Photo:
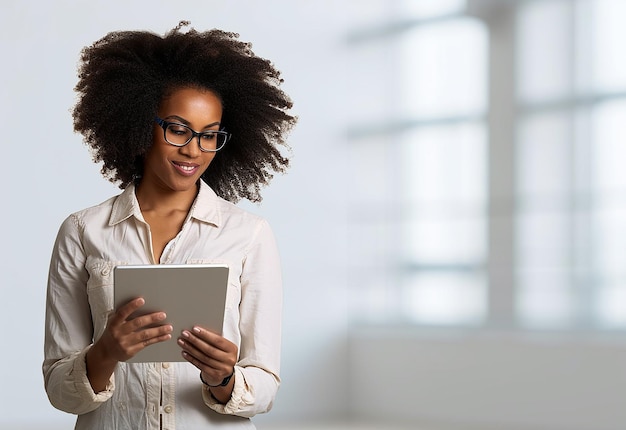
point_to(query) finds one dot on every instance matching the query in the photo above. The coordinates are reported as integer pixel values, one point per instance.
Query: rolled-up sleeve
(69, 327)
(257, 372)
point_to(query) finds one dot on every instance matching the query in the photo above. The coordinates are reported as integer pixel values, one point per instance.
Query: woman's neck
(157, 200)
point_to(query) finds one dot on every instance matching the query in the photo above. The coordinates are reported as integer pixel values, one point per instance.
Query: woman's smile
(186, 169)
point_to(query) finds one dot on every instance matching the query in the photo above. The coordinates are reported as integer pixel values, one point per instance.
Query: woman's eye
(177, 130)
(208, 136)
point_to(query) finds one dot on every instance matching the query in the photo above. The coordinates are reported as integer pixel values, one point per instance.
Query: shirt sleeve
(257, 371)
(69, 327)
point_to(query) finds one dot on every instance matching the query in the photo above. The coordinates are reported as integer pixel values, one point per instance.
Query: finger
(149, 337)
(124, 311)
(202, 362)
(199, 364)
(213, 339)
(214, 371)
(190, 341)
(145, 321)
(196, 349)
(195, 356)
(206, 353)
(154, 335)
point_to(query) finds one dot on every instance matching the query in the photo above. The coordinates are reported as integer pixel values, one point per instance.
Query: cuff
(239, 398)
(82, 384)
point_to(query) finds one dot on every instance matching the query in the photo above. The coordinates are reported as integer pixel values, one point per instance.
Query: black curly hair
(124, 76)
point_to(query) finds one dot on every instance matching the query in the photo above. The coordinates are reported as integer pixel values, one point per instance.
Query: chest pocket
(100, 292)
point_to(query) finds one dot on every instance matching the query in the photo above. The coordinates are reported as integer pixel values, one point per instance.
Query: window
(571, 186)
(488, 186)
(419, 212)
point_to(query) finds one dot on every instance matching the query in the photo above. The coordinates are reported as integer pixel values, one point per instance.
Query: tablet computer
(190, 294)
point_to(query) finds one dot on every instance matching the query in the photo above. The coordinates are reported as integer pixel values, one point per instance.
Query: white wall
(489, 380)
(48, 173)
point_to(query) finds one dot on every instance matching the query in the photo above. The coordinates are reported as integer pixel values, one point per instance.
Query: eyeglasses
(177, 134)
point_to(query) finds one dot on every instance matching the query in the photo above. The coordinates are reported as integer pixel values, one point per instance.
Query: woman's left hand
(213, 354)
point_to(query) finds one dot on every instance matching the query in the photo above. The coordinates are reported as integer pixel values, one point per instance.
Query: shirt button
(165, 365)
(168, 409)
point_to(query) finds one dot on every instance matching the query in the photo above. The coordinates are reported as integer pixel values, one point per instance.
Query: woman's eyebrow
(187, 123)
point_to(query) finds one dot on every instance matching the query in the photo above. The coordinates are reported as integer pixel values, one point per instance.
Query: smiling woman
(159, 113)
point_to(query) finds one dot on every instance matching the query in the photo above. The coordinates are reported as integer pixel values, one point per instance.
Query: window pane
(444, 70)
(543, 154)
(543, 240)
(429, 9)
(446, 238)
(609, 214)
(544, 50)
(444, 190)
(445, 298)
(544, 298)
(610, 242)
(609, 151)
(444, 164)
(611, 304)
(543, 226)
(609, 56)
(444, 224)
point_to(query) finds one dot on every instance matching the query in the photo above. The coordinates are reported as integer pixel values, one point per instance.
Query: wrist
(224, 382)
(99, 353)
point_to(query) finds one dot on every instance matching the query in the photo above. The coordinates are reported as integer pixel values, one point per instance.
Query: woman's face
(174, 168)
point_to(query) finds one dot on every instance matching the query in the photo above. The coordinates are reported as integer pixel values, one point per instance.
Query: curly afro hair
(124, 76)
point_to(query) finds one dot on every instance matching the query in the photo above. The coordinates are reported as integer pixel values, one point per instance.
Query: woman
(186, 123)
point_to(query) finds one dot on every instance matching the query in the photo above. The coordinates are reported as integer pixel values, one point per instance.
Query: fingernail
(185, 333)
(196, 329)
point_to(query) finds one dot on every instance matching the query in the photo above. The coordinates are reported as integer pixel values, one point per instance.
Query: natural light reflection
(431, 82)
(429, 9)
(445, 298)
(609, 61)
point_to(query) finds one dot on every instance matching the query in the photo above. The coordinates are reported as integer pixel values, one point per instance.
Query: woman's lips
(186, 169)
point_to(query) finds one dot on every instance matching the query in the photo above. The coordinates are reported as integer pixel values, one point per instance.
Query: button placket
(168, 387)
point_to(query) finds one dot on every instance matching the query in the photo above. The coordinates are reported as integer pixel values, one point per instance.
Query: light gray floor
(340, 426)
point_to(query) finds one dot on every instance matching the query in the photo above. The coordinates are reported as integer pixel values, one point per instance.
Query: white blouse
(168, 396)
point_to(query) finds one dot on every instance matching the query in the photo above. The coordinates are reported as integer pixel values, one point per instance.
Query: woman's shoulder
(75, 224)
(211, 205)
(240, 219)
(102, 209)
(99, 207)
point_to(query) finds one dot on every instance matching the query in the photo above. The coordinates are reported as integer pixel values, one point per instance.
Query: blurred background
(453, 227)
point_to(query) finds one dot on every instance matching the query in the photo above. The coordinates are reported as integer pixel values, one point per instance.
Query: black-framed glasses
(178, 134)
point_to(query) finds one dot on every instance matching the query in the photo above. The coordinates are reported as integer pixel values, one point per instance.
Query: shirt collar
(204, 208)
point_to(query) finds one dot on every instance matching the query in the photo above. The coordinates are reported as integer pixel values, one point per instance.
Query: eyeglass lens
(179, 135)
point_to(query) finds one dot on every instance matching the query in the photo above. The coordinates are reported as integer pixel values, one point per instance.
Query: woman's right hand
(122, 339)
